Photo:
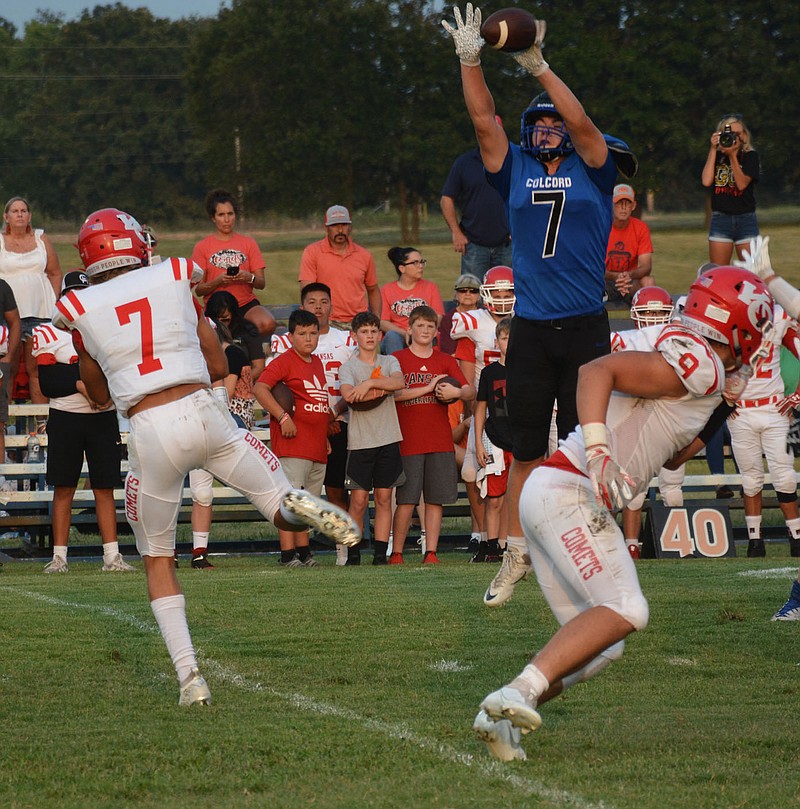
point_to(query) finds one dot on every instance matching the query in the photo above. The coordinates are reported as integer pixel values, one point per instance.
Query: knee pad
(202, 487)
(752, 482)
(634, 609)
(672, 497)
(787, 497)
(637, 502)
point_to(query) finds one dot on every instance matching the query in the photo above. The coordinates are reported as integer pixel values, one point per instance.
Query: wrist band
(594, 433)
(283, 417)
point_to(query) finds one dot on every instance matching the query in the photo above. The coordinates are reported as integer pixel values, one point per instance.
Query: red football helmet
(731, 306)
(651, 306)
(498, 278)
(110, 238)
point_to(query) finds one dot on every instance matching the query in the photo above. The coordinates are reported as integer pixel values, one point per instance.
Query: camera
(727, 138)
(233, 270)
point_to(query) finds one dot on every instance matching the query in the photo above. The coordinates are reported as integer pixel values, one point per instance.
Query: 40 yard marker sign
(700, 532)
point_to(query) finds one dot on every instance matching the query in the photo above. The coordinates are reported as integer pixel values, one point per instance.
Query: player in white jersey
(759, 425)
(140, 339)
(477, 348)
(334, 348)
(636, 408)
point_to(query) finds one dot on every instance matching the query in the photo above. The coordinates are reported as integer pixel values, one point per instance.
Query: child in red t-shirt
(299, 438)
(427, 451)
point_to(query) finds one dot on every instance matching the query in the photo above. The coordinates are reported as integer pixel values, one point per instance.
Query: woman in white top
(30, 266)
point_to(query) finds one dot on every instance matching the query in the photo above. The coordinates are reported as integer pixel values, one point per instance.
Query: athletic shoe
(118, 565)
(353, 557)
(396, 559)
(790, 611)
(502, 738)
(755, 548)
(634, 550)
(196, 691)
(480, 553)
(295, 562)
(494, 558)
(515, 568)
(200, 562)
(508, 703)
(380, 559)
(341, 555)
(309, 562)
(724, 492)
(58, 565)
(325, 517)
(430, 558)
(794, 547)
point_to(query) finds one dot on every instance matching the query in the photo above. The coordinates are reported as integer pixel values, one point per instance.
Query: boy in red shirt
(429, 461)
(300, 438)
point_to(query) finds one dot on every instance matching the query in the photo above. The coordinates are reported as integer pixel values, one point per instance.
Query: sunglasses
(467, 289)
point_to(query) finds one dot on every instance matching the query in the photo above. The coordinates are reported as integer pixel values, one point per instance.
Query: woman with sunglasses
(400, 297)
(731, 172)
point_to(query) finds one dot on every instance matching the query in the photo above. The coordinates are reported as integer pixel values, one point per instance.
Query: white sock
(794, 527)
(753, 527)
(60, 550)
(170, 613)
(110, 550)
(520, 543)
(200, 539)
(484, 536)
(531, 683)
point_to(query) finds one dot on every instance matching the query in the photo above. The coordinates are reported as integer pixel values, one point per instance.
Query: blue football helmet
(532, 132)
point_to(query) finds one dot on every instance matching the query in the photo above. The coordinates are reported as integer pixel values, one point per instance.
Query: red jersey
(306, 380)
(215, 256)
(424, 421)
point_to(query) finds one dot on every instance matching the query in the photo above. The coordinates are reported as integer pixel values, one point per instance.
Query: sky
(19, 13)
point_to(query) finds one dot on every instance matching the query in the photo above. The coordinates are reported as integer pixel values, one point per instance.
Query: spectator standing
(139, 339)
(232, 262)
(731, 171)
(481, 234)
(629, 257)
(429, 462)
(30, 266)
(557, 186)
(9, 356)
(299, 438)
(222, 307)
(467, 290)
(402, 296)
(334, 348)
(373, 438)
(345, 267)
(77, 426)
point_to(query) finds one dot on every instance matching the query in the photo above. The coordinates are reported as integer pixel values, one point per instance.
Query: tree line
(297, 104)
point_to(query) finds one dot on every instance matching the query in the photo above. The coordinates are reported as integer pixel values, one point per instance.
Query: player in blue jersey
(558, 186)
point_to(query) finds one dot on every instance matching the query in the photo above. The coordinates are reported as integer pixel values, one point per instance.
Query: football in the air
(284, 397)
(510, 29)
(451, 380)
(374, 398)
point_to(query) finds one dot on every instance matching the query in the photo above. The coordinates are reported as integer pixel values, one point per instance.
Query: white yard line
(483, 765)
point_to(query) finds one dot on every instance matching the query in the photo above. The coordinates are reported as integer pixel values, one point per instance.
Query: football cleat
(755, 548)
(195, 691)
(794, 547)
(325, 517)
(790, 611)
(502, 738)
(309, 562)
(396, 559)
(515, 568)
(430, 558)
(341, 555)
(200, 562)
(634, 549)
(118, 565)
(293, 562)
(58, 565)
(508, 703)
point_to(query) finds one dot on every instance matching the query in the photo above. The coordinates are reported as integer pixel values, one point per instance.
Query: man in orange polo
(347, 268)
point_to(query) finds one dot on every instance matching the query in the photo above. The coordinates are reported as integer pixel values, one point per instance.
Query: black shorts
(70, 435)
(542, 368)
(337, 460)
(433, 475)
(375, 468)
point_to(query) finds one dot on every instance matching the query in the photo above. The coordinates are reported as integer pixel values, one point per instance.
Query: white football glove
(532, 59)
(612, 484)
(735, 384)
(466, 35)
(756, 259)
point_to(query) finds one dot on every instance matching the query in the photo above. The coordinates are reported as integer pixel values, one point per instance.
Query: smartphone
(233, 270)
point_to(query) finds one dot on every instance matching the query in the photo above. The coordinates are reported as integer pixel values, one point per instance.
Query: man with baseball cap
(629, 257)
(345, 267)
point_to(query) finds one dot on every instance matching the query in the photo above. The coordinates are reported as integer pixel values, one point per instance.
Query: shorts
(736, 228)
(304, 474)
(542, 367)
(5, 391)
(337, 459)
(28, 324)
(496, 485)
(375, 468)
(433, 475)
(246, 307)
(70, 435)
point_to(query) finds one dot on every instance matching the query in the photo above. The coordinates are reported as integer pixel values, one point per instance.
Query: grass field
(357, 688)
(679, 241)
